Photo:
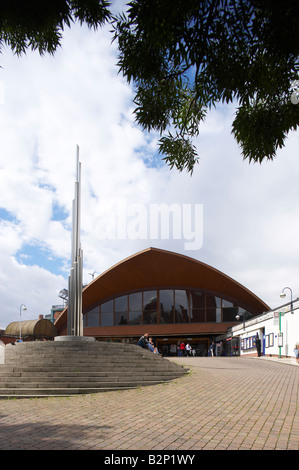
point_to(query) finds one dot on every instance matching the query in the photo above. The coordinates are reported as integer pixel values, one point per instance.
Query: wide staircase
(38, 369)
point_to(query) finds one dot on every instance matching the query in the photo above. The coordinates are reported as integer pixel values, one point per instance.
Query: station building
(277, 329)
(171, 296)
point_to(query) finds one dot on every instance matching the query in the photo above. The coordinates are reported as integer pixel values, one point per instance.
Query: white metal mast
(74, 316)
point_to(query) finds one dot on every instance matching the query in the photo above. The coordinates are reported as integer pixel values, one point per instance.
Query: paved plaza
(222, 404)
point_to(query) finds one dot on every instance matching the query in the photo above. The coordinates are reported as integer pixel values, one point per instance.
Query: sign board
(276, 317)
(280, 340)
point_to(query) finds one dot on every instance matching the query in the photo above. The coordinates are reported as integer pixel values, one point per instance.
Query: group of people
(146, 342)
(184, 350)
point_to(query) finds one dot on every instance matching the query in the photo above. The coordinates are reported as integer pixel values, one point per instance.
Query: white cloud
(51, 104)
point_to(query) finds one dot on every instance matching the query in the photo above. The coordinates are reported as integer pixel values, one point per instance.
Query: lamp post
(238, 317)
(22, 307)
(282, 295)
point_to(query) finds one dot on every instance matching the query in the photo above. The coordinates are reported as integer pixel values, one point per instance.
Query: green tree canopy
(38, 24)
(185, 56)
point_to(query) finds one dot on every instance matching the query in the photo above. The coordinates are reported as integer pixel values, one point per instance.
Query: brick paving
(223, 404)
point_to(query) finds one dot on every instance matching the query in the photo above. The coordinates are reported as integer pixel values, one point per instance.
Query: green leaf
(179, 152)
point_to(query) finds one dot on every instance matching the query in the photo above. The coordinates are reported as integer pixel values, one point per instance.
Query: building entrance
(170, 346)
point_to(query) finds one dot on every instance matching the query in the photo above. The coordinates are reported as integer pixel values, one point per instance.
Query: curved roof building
(170, 295)
(33, 329)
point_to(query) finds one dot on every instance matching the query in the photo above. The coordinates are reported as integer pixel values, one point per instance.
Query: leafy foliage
(263, 127)
(179, 152)
(38, 24)
(185, 56)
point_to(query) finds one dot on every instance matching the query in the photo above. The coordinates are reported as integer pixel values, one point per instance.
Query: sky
(240, 218)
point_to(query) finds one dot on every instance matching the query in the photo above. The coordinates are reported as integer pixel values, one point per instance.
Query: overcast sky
(244, 222)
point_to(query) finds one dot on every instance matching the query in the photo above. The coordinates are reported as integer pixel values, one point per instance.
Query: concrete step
(84, 384)
(12, 380)
(100, 374)
(40, 390)
(50, 368)
(98, 359)
(98, 362)
(86, 366)
(54, 353)
(54, 392)
(92, 348)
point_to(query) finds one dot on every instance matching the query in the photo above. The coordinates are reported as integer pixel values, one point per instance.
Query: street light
(238, 317)
(282, 295)
(243, 317)
(22, 307)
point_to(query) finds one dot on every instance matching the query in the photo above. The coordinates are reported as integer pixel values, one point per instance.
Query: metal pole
(279, 334)
(22, 306)
(75, 319)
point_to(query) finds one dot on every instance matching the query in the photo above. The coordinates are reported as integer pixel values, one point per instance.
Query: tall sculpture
(74, 314)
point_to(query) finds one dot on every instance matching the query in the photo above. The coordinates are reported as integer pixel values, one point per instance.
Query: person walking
(212, 349)
(188, 349)
(183, 349)
(258, 345)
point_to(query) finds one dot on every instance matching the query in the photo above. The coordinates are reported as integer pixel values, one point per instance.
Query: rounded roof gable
(41, 327)
(155, 268)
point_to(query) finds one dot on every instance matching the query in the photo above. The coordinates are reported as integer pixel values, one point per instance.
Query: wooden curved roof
(155, 268)
(42, 327)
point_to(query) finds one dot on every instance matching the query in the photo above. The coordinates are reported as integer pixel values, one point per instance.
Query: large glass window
(135, 308)
(121, 310)
(213, 308)
(197, 313)
(135, 318)
(166, 306)
(172, 306)
(229, 311)
(93, 317)
(150, 305)
(218, 311)
(181, 306)
(107, 313)
(244, 314)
